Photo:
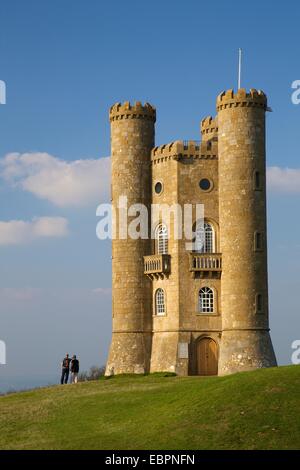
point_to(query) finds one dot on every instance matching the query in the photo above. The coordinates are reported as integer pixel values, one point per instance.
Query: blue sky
(64, 64)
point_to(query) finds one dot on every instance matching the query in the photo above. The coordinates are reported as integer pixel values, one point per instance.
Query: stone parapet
(229, 99)
(132, 111)
(180, 149)
(209, 128)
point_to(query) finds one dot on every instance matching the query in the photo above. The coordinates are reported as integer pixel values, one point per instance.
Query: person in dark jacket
(65, 368)
(74, 370)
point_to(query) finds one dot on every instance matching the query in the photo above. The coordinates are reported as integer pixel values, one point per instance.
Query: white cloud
(65, 184)
(283, 180)
(82, 182)
(16, 232)
(102, 291)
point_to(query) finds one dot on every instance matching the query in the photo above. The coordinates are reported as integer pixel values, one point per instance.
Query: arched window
(204, 238)
(160, 308)
(206, 300)
(161, 239)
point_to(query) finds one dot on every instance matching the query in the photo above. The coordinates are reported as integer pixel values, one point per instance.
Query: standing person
(74, 369)
(65, 368)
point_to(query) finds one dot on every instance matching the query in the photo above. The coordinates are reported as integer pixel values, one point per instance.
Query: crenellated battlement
(230, 99)
(132, 111)
(209, 128)
(182, 149)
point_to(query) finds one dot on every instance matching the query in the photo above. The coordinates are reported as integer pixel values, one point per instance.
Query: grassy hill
(252, 410)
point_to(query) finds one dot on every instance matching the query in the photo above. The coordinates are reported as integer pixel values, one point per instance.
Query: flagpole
(240, 68)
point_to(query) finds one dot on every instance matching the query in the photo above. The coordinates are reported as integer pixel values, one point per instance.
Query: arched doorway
(207, 357)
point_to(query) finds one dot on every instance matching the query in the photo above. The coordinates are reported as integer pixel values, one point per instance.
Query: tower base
(164, 352)
(243, 350)
(129, 354)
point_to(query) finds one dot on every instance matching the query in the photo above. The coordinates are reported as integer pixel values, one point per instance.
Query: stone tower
(246, 342)
(132, 138)
(181, 306)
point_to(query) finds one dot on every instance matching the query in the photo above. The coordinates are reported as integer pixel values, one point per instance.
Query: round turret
(132, 138)
(209, 128)
(245, 341)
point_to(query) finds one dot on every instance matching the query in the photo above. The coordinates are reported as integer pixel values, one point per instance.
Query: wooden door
(207, 357)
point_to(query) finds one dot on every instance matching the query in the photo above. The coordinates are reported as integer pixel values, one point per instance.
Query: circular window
(158, 187)
(205, 184)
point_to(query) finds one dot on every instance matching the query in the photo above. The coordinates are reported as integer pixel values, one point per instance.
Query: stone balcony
(206, 263)
(157, 266)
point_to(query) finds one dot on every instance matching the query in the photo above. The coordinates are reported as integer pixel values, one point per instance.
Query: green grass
(251, 410)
